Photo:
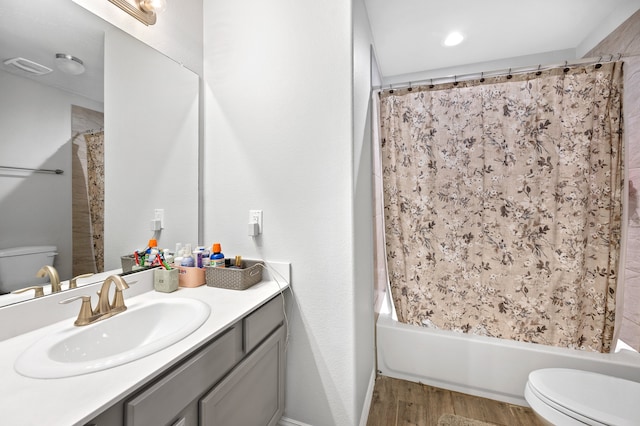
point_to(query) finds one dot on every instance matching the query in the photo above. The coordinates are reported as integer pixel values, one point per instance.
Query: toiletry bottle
(217, 258)
(187, 259)
(177, 257)
(206, 257)
(168, 257)
(153, 244)
(151, 257)
(197, 256)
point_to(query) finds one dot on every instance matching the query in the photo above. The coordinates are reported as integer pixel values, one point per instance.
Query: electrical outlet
(255, 216)
(158, 214)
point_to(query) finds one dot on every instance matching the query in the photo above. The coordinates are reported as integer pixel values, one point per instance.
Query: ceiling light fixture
(454, 38)
(69, 64)
(144, 11)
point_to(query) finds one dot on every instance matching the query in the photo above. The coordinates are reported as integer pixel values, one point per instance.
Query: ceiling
(38, 29)
(408, 34)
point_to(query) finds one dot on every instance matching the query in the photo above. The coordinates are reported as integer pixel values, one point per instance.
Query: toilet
(19, 266)
(561, 396)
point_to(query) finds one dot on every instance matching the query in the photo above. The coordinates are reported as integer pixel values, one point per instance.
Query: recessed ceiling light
(454, 38)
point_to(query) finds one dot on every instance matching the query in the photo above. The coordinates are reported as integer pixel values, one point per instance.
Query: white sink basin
(139, 331)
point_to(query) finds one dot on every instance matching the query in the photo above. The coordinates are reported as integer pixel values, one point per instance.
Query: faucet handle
(85, 314)
(37, 288)
(74, 281)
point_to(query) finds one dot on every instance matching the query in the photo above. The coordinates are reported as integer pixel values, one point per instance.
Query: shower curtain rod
(503, 72)
(53, 171)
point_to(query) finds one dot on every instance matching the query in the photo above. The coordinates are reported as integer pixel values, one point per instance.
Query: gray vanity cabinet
(237, 379)
(253, 394)
(161, 402)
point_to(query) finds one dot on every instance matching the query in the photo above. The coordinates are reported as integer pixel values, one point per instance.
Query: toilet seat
(590, 398)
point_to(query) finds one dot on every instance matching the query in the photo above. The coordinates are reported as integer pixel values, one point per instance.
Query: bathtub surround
(626, 38)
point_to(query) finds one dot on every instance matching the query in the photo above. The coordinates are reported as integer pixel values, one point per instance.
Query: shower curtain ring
(599, 65)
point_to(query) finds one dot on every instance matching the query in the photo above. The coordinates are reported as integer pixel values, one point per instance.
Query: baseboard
(366, 407)
(364, 416)
(285, 421)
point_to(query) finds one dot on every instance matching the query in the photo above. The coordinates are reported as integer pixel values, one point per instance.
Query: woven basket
(128, 262)
(235, 279)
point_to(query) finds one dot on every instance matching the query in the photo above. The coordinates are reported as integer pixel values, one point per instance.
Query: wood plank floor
(398, 402)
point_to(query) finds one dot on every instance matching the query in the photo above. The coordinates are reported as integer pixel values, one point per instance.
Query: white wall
(177, 32)
(279, 137)
(364, 344)
(151, 147)
(35, 132)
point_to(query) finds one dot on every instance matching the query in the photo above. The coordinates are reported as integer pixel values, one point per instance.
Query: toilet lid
(583, 394)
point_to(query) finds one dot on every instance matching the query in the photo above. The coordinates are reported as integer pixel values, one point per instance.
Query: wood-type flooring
(402, 403)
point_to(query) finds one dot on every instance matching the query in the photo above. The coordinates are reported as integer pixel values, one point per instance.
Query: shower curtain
(502, 204)
(95, 191)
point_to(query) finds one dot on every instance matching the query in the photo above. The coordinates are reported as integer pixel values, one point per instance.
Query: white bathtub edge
(487, 367)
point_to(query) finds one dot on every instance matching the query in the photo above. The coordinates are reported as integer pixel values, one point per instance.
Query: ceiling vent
(28, 66)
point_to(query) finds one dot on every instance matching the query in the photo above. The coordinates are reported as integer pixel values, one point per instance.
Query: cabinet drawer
(261, 322)
(159, 403)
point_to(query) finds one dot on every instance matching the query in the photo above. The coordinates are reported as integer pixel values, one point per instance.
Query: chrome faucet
(54, 278)
(103, 309)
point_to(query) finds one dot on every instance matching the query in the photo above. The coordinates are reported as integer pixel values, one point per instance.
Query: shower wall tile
(630, 328)
(630, 334)
(631, 110)
(633, 229)
(626, 39)
(631, 296)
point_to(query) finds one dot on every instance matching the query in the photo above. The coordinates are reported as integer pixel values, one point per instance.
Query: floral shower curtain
(95, 191)
(502, 204)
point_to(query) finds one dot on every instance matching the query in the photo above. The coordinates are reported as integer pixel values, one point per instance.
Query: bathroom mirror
(38, 116)
(43, 105)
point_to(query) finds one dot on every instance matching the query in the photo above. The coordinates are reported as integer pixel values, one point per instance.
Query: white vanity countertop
(76, 400)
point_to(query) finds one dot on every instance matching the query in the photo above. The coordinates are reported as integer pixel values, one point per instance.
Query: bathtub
(482, 366)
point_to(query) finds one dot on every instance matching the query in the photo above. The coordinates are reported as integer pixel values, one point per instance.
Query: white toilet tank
(19, 266)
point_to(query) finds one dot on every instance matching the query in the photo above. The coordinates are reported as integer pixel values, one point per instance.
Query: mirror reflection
(51, 127)
(88, 126)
